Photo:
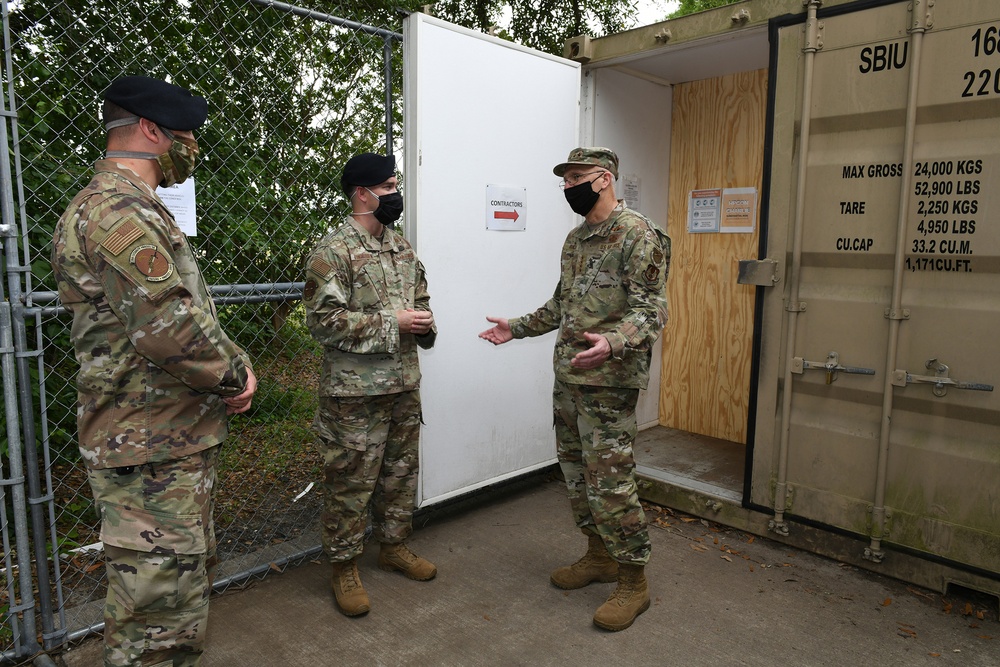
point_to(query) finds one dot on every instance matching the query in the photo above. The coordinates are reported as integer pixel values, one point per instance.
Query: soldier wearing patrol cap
(367, 305)
(609, 307)
(157, 378)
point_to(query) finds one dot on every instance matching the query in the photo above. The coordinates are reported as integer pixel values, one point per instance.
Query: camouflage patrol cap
(595, 156)
(367, 169)
(165, 104)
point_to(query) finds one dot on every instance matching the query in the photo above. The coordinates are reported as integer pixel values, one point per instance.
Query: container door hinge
(789, 496)
(921, 19)
(760, 272)
(940, 379)
(832, 366)
(814, 30)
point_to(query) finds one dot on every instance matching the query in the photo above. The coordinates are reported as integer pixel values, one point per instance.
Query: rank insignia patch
(151, 263)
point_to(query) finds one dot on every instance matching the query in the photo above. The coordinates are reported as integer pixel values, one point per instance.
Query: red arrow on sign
(505, 215)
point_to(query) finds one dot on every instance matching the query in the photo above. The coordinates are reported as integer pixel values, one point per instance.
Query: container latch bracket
(760, 272)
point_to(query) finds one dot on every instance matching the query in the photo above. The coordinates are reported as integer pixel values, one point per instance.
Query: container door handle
(832, 366)
(940, 379)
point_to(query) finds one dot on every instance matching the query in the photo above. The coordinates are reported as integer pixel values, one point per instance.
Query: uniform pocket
(149, 531)
(342, 422)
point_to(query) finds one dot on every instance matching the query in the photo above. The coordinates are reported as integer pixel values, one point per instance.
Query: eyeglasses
(570, 181)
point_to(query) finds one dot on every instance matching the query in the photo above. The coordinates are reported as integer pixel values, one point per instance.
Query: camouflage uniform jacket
(355, 283)
(154, 362)
(612, 282)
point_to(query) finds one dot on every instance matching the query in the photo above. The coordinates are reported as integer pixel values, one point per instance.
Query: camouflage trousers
(159, 547)
(595, 430)
(369, 447)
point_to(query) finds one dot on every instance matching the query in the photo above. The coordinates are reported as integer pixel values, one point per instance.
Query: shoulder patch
(651, 273)
(309, 291)
(320, 267)
(122, 237)
(152, 263)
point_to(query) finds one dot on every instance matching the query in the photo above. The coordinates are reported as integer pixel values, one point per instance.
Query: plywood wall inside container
(717, 142)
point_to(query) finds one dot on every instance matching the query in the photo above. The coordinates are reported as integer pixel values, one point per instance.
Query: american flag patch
(122, 237)
(320, 267)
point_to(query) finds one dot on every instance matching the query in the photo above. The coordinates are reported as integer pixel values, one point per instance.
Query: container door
(485, 121)
(893, 424)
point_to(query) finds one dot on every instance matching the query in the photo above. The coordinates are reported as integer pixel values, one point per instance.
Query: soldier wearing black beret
(151, 431)
(162, 149)
(367, 304)
(163, 103)
(366, 170)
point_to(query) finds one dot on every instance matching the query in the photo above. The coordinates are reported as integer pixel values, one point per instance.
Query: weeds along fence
(292, 94)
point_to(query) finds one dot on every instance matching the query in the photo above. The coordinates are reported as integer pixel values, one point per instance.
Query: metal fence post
(25, 642)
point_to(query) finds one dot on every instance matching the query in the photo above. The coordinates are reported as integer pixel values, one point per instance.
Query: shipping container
(828, 173)
(828, 377)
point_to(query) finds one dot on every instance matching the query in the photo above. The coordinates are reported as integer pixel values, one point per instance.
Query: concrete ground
(720, 597)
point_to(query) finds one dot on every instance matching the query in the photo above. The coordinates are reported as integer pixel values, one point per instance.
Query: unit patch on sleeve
(310, 289)
(651, 273)
(151, 263)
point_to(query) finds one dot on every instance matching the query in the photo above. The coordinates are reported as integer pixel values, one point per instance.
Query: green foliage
(691, 6)
(290, 99)
(541, 24)
(6, 634)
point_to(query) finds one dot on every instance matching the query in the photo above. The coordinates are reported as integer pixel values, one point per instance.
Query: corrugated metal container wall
(876, 413)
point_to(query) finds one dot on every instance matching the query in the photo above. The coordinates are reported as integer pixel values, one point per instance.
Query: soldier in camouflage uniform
(609, 307)
(157, 376)
(367, 305)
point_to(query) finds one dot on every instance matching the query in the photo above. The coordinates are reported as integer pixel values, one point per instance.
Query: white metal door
(482, 112)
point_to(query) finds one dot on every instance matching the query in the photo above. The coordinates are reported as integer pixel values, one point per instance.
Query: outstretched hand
(499, 334)
(595, 355)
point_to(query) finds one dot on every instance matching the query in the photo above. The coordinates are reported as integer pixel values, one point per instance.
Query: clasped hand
(416, 322)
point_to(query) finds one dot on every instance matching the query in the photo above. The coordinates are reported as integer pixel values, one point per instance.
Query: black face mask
(390, 207)
(582, 198)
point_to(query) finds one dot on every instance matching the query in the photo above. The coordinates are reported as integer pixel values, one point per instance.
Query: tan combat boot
(596, 565)
(347, 589)
(399, 557)
(630, 599)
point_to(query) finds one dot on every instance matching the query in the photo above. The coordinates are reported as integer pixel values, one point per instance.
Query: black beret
(163, 103)
(367, 169)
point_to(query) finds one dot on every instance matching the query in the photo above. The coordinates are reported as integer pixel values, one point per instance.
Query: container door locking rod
(831, 366)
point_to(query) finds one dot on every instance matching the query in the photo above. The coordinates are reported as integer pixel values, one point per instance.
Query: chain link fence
(292, 94)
